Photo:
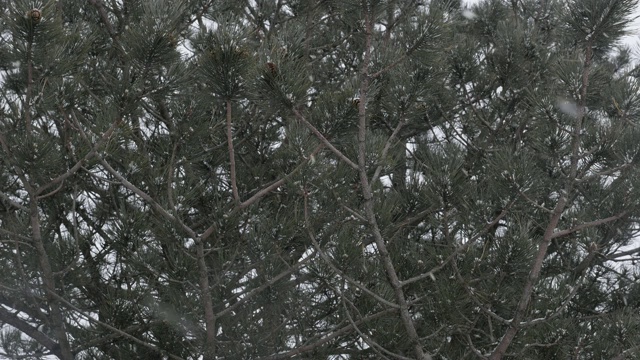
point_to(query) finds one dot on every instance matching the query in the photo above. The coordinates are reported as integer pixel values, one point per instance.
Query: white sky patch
(468, 14)
(568, 107)
(386, 181)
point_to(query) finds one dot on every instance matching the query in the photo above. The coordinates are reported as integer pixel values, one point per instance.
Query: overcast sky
(632, 40)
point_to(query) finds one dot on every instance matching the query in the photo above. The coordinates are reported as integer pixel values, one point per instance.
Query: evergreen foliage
(357, 179)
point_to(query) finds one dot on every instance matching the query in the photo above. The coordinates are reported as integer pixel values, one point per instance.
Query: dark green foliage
(177, 180)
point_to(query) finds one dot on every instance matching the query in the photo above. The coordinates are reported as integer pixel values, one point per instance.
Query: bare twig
(587, 225)
(633, 251)
(385, 150)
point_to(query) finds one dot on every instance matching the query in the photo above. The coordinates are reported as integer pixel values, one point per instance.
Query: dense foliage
(352, 179)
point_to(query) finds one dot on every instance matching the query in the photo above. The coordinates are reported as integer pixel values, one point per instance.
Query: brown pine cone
(272, 68)
(35, 15)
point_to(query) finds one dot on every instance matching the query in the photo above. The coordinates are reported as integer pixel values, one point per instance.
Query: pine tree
(355, 179)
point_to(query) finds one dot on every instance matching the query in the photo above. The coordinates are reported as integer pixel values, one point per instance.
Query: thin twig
(385, 150)
(587, 225)
(324, 140)
(232, 156)
(460, 249)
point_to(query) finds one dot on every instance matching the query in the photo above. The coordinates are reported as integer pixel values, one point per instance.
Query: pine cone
(35, 15)
(272, 68)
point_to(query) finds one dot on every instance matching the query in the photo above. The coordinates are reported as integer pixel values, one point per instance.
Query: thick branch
(8, 318)
(57, 320)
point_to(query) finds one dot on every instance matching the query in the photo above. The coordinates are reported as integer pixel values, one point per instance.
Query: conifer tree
(358, 179)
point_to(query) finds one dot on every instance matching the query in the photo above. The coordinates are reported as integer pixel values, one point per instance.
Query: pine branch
(268, 189)
(249, 295)
(385, 150)
(8, 318)
(324, 140)
(48, 280)
(115, 330)
(377, 348)
(625, 354)
(333, 334)
(550, 230)
(7, 199)
(390, 271)
(232, 156)
(587, 225)
(333, 267)
(104, 17)
(460, 249)
(104, 139)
